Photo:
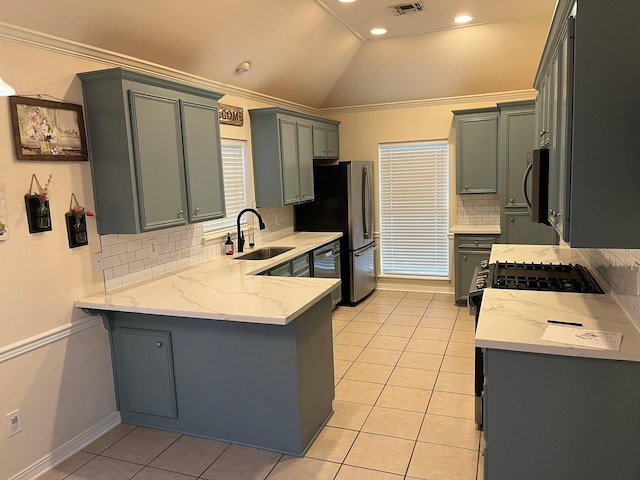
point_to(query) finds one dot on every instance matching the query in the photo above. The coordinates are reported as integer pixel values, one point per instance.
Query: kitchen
(47, 277)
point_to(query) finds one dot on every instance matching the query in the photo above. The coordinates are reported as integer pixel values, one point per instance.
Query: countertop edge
(106, 301)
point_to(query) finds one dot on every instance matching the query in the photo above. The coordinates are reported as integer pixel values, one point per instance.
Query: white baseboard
(70, 448)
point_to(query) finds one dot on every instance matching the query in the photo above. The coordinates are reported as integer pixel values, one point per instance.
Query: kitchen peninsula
(219, 351)
(553, 410)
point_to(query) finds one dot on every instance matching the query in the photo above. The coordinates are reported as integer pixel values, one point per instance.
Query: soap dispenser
(228, 245)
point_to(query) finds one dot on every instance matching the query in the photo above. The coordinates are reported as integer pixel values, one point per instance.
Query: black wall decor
(38, 213)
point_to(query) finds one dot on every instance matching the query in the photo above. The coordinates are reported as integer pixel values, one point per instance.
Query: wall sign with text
(230, 115)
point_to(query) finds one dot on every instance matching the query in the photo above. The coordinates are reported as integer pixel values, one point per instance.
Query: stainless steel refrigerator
(344, 203)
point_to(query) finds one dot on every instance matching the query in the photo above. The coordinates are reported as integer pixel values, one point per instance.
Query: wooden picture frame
(47, 130)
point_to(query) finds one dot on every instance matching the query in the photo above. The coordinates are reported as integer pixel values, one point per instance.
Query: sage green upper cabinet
(155, 151)
(594, 194)
(282, 146)
(326, 142)
(517, 139)
(476, 150)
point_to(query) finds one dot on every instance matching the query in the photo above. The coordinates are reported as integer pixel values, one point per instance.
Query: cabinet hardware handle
(158, 344)
(466, 187)
(197, 210)
(181, 213)
(476, 243)
(464, 257)
(512, 200)
(511, 219)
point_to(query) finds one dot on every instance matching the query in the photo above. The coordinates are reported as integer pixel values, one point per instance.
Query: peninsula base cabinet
(557, 418)
(266, 386)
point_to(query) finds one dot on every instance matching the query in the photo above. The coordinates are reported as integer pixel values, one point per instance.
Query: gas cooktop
(543, 276)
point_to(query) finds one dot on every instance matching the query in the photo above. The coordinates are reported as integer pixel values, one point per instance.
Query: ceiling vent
(407, 8)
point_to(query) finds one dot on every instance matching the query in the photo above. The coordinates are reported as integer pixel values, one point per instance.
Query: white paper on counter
(583, 337)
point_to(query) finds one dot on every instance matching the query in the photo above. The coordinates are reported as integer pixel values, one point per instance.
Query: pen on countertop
(560, 322)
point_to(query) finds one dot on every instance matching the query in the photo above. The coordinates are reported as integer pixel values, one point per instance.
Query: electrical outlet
(473, 207)
(14, 422)
(153, 248)
(98, 262)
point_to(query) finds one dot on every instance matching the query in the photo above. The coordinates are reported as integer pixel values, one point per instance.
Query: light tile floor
(403, 410)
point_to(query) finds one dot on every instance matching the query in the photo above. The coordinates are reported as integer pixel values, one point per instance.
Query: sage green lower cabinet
(155, 151)
(144, 371)
(266, 386)
(470, 251)
(298, 267)
(558, 418)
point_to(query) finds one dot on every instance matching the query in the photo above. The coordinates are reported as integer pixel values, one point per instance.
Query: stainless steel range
(546, 277)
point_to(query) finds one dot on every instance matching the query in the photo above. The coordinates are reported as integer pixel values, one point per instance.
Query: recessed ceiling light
(347, 1)
(242, 67)
(463, 19)
(378, 31)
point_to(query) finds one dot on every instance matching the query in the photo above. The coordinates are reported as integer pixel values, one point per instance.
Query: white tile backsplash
(619, 270)
(479, 209)
(126, 258)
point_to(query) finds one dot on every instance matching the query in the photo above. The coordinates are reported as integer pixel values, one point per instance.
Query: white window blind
(235, 190)
(414, 208)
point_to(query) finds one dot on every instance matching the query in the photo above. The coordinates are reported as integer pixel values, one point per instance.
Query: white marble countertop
(224, 288)
(475, 229)
(516, 319)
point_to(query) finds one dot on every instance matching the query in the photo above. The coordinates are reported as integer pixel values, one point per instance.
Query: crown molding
(63, 46)
(498, 97)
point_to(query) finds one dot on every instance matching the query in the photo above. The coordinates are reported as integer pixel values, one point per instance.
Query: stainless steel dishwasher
(326, 264)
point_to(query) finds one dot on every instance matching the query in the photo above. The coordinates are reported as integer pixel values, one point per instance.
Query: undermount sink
(264, 253)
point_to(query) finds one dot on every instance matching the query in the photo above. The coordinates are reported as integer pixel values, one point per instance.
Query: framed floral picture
(46, 130)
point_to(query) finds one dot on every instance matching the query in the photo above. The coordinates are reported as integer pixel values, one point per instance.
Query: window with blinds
(414, 208)
(235, 190)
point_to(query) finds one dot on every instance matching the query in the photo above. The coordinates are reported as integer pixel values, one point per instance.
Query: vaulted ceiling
(318, 53)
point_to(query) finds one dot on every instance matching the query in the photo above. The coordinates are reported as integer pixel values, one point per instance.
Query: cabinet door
(477, 153)
(565, 131)
(552, 114)
(305, 161)
(144, 369)
(300, 266)
(203, 161)
(319, 141)
(517, 142)
(519, 229)
(157, 147)
(333, 142)
(289, 161)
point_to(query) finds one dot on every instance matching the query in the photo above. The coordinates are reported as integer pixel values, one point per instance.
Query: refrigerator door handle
(367, 216)
(372, 248)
